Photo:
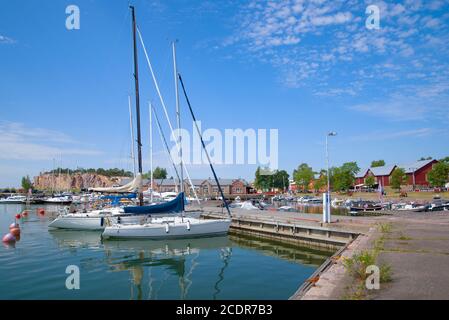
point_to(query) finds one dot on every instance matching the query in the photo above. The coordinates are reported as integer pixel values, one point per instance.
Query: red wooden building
(416, 173)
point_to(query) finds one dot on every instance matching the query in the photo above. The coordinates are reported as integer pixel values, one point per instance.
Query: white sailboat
(171, 227)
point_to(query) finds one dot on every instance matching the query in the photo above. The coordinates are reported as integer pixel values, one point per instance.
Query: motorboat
(14, 199)
(168, 228)
(59, 199)
(413, 207)
(246, 205)
(336, 203)
(439, 205)
(286, 209)
(364, 206)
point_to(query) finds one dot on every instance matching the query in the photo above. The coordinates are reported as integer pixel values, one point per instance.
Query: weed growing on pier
(385, 273)
(359, 262)
(384, 227)
(404, 237)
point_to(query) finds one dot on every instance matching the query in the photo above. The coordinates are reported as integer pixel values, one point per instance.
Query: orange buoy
(15, 232)
(8, 238)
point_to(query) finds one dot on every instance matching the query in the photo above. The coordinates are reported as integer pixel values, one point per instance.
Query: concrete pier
(305, 233)
(416, 248)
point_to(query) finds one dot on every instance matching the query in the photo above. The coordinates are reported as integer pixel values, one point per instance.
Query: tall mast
(151, 151)
(131, 127)
(178, 116)
(136, 82)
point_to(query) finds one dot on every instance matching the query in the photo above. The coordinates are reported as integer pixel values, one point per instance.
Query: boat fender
(166, 228)
(13, 225)
(101, 221)
(8, 238)
(15, 232)
(119, 220)
(188, 225)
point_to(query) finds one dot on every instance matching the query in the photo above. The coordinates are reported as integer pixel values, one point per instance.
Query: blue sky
(303, 67)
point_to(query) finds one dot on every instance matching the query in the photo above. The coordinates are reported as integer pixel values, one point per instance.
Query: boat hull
(155, 231)
(12, 202)
(90, 223)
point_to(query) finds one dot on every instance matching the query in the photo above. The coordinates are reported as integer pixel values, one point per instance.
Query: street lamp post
(327, 215)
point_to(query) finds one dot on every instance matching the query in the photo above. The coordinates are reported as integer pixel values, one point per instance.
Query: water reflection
(158, 269)
(170, 255)
(290, 252)
(141, 256)
(230, 267)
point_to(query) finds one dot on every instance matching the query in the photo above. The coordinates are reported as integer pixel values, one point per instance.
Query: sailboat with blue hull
(174, 206)
(171, 227)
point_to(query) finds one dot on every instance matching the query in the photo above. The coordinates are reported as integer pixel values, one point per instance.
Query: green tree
(398, 178)
(445, 160)
(262, 181)
(159, 173)
(280, 180)
(370, 181)
(26, 183)
(351, 167)
(342, 178)
(377, 163)
(439, 174)
(321, 181)
(303, 176)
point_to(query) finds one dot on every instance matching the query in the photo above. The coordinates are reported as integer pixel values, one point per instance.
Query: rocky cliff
(73, 181)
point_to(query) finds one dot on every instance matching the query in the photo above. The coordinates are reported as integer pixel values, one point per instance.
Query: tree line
(113, 172)
(343, 178)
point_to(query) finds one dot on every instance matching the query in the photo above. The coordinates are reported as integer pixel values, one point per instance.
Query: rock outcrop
(73, 181)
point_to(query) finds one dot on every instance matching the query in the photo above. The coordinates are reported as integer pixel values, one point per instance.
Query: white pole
(178, 116)
(327, 210)
(165, 109)
(328, 202)
(324, 207)
(151, 151)
(132, 135)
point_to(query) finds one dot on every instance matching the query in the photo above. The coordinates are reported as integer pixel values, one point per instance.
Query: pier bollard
(325, 207)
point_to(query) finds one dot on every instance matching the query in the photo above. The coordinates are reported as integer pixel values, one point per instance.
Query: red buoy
(18, 216)
(24, 213)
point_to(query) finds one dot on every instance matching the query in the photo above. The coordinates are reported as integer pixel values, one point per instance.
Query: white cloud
(6, 40)
(414, 107)
(388, 135)
(338, 18)
(311, 40)
(19, 142)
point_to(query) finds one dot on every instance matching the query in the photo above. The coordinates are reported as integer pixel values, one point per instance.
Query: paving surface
(417, 249)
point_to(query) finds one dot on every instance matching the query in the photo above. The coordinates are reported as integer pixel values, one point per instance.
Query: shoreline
(416, 239)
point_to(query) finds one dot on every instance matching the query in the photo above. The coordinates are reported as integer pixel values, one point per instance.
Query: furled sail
(132, 186)
(174, 206)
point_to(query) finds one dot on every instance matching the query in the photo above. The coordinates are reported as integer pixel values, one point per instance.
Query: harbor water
(230, 267)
